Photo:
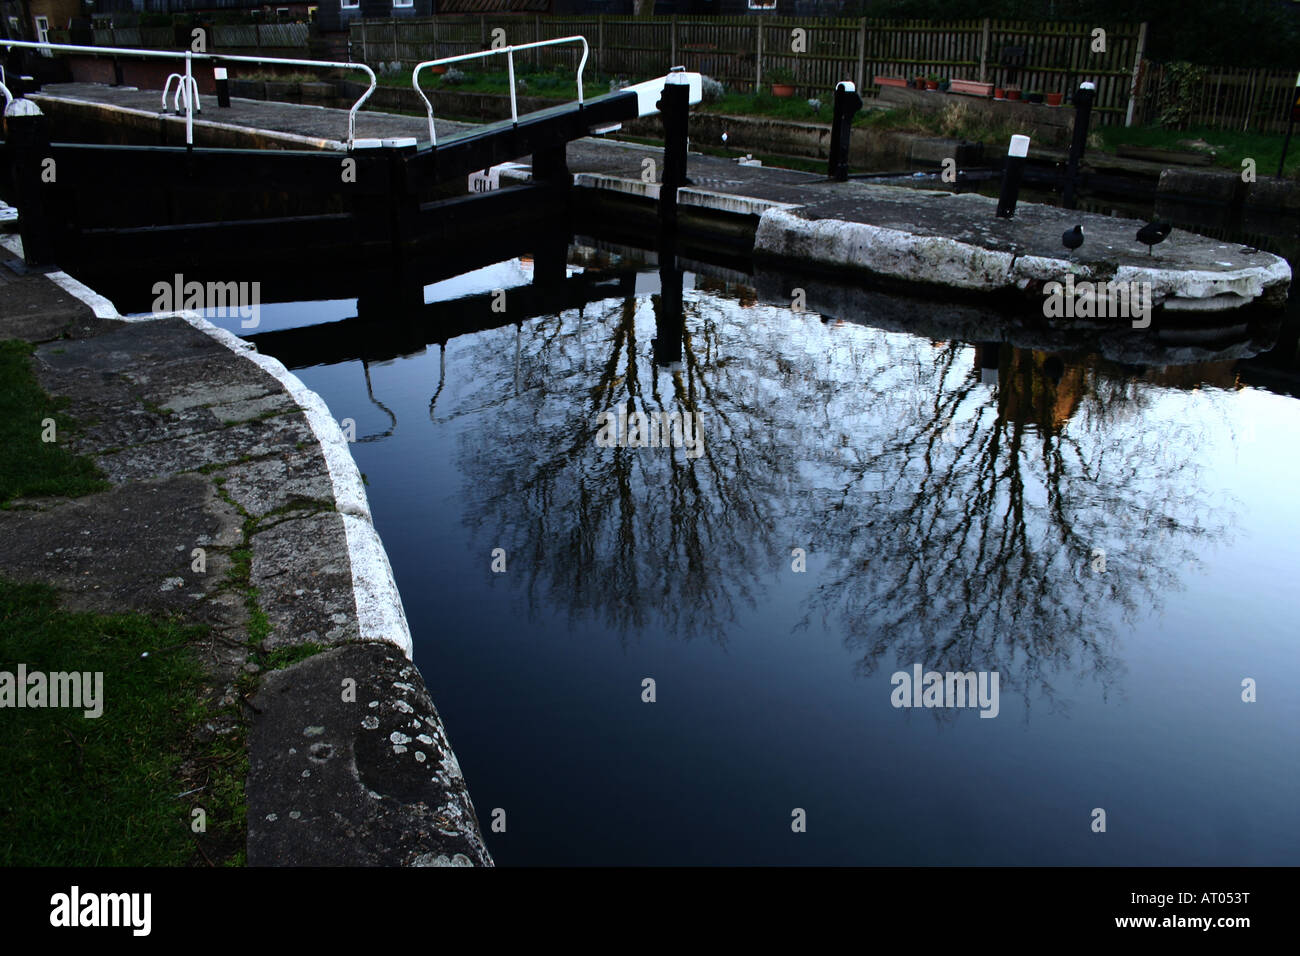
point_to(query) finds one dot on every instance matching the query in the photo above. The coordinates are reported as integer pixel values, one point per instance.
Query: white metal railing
(509, 51)
(183, 88)
(9, 97)
(211, 57)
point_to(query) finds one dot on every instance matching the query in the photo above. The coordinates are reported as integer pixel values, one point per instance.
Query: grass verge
(31, 466)
(111, 791)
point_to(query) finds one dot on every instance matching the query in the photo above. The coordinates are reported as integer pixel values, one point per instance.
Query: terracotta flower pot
(1054, 99)
(999, 93)
(890, 81)
(782, 90)
(931, 84)
(440, 68)
(1013, 94)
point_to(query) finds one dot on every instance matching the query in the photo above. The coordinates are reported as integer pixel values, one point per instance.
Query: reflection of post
(403, 296)
(670, 321)
(550, 259)
(986, 360)
(674, 105)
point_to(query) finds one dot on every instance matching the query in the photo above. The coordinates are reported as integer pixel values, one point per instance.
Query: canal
(1103, 518)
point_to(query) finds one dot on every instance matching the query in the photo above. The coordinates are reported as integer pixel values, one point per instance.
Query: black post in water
(674, 106)
(223, 87)
(847, 104)
(1290, 125)
(1011, 173)
(670, 319)
(1083, 98)
(29, 145)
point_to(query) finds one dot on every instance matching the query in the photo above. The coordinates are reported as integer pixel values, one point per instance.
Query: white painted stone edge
(380, 614)
(894, 252)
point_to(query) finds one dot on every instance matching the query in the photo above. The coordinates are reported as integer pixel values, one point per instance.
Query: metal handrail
(9, 97)
(213, 57)
(509, 51)
(182, 88)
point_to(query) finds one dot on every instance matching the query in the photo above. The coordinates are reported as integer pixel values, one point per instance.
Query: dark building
(711, 8)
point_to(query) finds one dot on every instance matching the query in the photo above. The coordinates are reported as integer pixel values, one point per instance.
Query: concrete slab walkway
(204, 449)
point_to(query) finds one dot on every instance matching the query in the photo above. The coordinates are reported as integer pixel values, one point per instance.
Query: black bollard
(674, 106)
(223, 87)
(118, 80)
(29, 146)
(1011, 173)
(847, 104)
(1083, 98)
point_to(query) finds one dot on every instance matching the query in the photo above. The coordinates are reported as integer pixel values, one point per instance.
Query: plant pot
(931, 84)
(1013, 94)
(1034, 97)
(999, 93)
(918, 83)
(439, 69)
(782, 90)
(971, 88)
(1054, 99)
(890, 81)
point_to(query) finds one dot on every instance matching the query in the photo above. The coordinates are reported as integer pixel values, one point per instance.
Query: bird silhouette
(1072, 239)
(1154, 233)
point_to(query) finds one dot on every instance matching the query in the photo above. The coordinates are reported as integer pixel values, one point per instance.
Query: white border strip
(380, 614)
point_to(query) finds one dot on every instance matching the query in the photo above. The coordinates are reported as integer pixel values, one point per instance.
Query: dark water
(953, 475)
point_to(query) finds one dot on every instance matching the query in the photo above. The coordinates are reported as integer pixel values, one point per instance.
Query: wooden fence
(740, 51)
(223, 37)
(1235, 98)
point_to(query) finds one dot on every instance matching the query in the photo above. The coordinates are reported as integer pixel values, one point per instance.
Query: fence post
(537, 35)
(984, 51)
(758, 56)
(1137, 69)
(672, 43)
(482, 32)
(862, 53)
(600, 44)
(1250, 100)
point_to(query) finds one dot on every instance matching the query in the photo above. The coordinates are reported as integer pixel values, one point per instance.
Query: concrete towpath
(799, 219)
(205, 448)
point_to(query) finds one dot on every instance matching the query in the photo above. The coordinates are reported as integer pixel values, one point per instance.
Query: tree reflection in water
(954, 518)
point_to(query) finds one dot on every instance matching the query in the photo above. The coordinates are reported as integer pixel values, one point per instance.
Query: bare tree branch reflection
(958, 520)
